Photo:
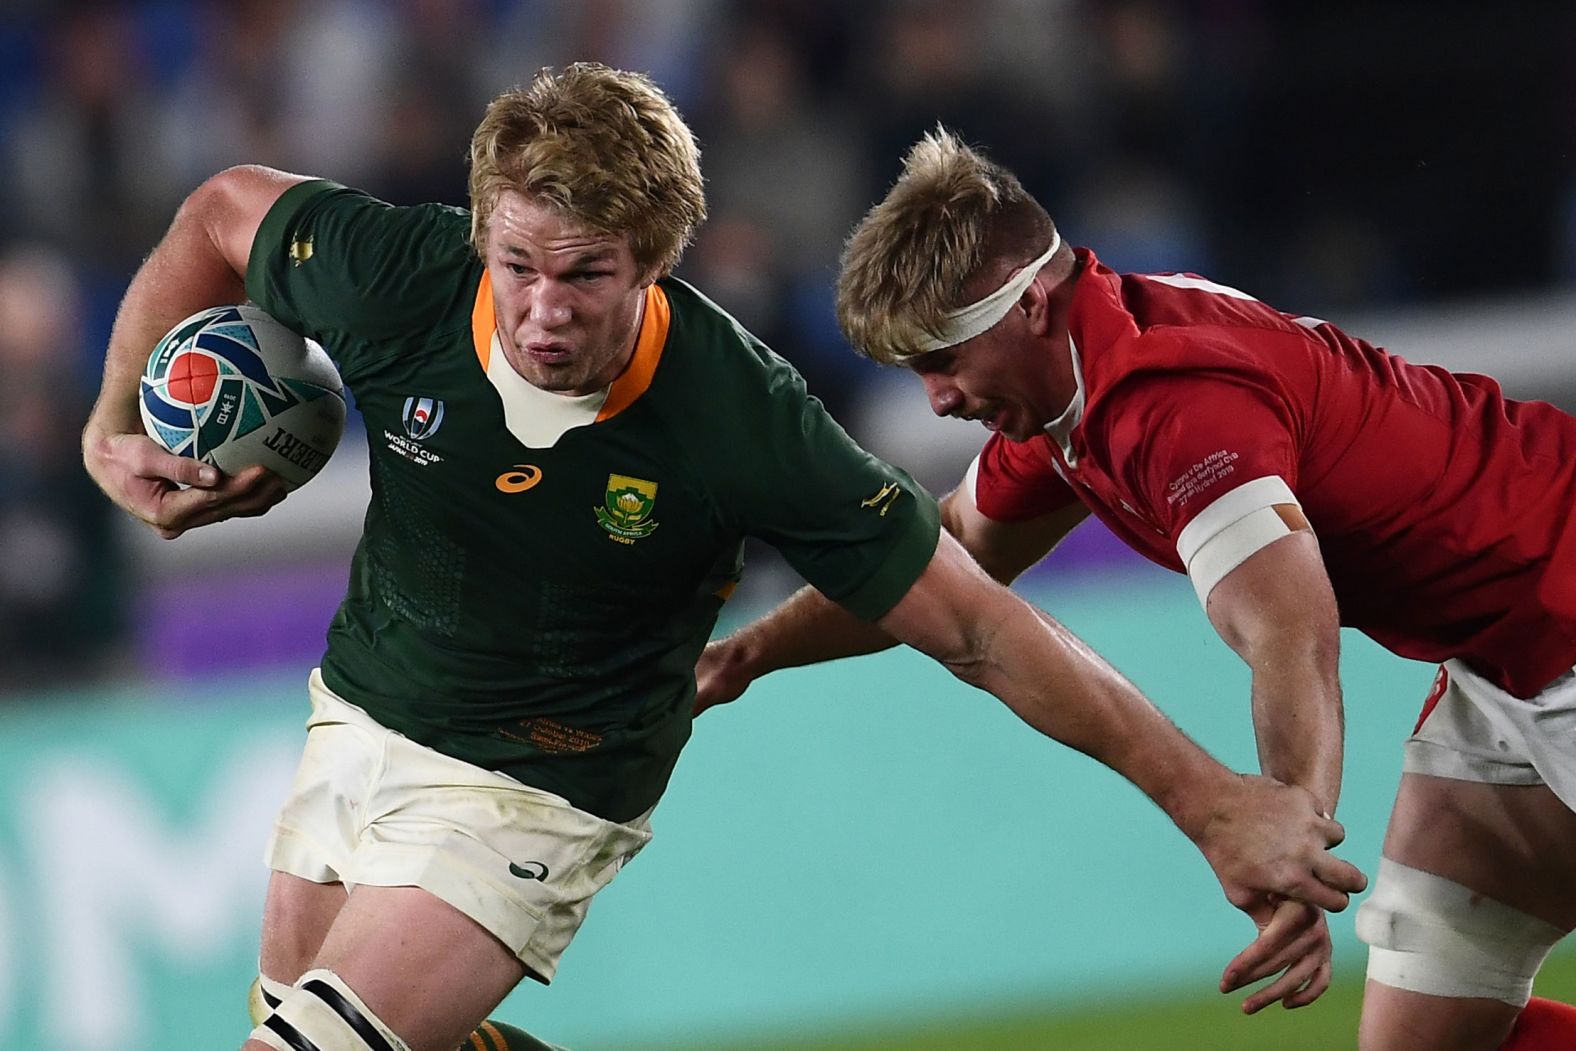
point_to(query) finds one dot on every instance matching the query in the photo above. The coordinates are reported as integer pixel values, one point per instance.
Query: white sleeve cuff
(1231, 529)
(971, 481)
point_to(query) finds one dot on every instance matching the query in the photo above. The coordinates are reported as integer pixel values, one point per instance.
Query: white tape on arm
(1228, 531)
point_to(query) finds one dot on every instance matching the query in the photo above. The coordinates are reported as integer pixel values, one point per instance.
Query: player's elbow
(229, 207)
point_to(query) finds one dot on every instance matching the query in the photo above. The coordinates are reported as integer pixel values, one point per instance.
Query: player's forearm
(1062, 688)
(807, 628)
(1277, 610)
(1298, 718)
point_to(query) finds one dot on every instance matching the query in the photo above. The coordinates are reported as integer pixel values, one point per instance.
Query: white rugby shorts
(1478, 732)
(371, 807)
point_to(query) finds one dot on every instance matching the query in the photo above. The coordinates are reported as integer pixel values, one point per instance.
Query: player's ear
(1036, 306)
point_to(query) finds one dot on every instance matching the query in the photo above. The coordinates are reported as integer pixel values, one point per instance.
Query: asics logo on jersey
(530, 870)
(522, 477)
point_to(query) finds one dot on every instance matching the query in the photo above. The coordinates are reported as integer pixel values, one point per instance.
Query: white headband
(967, 322)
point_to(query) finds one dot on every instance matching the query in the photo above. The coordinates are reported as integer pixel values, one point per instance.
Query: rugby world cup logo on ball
(233, 387)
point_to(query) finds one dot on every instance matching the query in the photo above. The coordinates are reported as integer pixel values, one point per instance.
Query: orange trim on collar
(484, 322)
(637, 375)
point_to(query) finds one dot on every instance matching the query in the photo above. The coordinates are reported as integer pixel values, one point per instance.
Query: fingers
(1333, 831)
(1294, 943)
(1316, 987)
(1300, 986)
(247, 494)
(1328, 883)
(1339, 874)
(1294, 930)
(1314, 892)
(185, 471)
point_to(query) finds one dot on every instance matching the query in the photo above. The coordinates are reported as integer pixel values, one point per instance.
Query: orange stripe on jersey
(636, 377)
(500, 1044)
(476, 1042)
(483, 321)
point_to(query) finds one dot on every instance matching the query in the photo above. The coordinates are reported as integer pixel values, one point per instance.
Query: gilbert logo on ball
(233, 387)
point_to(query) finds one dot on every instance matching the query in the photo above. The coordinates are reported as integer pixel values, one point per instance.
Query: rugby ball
(232, 387)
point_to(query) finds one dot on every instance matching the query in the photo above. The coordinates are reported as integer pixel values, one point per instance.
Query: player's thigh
(1513, 844)
(297, 915)
(427, 970)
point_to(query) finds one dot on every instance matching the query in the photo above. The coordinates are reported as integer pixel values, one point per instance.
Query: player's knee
(265, 995)
(1431, 935)
(323, 1013)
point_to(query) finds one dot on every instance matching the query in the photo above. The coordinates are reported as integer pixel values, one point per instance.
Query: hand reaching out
(1267, 840)
(1294, 943)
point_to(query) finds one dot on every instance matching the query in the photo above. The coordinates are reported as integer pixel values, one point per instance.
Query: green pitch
(1162, 1025)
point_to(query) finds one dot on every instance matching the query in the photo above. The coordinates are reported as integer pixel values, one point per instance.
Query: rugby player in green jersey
(568, 448)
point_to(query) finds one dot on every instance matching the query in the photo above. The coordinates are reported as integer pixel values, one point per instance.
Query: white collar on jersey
(538, 418)
(1061, 428)
(964, 323)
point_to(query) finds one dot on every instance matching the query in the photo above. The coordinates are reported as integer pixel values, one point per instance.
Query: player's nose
(944, 397)
(548, 308)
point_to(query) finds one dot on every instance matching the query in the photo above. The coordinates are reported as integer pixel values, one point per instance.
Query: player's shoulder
(1167, 300)
(1182, 324)
(324, 210)
(379, 269)
(709, 345)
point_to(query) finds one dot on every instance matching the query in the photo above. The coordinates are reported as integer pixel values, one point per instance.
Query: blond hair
(951, 216)
(605, 147)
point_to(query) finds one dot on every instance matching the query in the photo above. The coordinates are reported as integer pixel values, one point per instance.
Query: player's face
(567, 297)
(997, 378)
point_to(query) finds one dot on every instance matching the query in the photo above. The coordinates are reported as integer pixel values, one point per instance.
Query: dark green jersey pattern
(550, 630)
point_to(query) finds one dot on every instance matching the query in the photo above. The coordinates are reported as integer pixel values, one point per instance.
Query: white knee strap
(1430, 935)
(323, 1014)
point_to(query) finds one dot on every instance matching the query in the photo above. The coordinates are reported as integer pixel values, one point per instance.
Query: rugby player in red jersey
(1304, 480)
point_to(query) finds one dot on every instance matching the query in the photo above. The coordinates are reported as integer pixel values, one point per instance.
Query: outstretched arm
(201, 262)
(1261, 837)
(809, 628)
(1277, 611)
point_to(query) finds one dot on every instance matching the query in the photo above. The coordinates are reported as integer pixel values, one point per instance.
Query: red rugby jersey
(1443, 509)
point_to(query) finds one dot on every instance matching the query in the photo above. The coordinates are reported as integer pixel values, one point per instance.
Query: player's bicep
(1006, 549)
(1280, 588)
(1234, 527)
(231, 206)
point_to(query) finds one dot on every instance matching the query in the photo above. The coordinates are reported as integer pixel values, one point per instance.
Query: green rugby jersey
(538, 574)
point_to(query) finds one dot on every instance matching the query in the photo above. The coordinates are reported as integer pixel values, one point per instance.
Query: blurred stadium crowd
(1327, 157)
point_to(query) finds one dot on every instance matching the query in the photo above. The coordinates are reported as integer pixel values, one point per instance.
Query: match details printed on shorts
(1198, 478)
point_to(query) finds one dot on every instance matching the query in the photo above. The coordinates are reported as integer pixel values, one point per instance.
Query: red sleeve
(1017, 481)
(1181, 441)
